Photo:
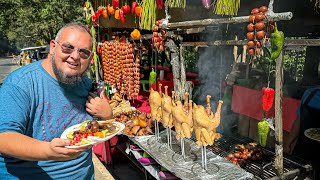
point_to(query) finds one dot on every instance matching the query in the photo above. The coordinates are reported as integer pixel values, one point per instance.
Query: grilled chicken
(155, 104)
(206, 123)
(166, 107)
(182, 119)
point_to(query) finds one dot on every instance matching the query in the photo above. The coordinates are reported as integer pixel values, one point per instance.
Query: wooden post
(278, 116)
(176, 71)
(182, 72)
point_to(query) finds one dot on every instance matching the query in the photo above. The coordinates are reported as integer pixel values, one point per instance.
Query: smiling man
(39, 102)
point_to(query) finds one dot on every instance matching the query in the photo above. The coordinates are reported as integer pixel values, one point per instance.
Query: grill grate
(262, 169)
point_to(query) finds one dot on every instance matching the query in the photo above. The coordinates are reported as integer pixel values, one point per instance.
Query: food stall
(168, 127)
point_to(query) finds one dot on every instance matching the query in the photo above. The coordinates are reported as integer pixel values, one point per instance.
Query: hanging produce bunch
(226, 7)
(159, 36)
(148, 14)
(121, 67)
(256, 30)
(176, 3)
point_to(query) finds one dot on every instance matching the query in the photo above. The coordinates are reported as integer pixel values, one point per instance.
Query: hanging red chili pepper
(133, 6)
(115, 4)
(121, 14)
(267, 98)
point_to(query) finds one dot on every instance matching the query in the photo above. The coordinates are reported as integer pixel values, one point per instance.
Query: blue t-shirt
(33, 103)
(314, 101)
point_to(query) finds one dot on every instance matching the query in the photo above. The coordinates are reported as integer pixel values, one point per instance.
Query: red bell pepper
(126, 9)
(121, 14)
(133, 6)
(267, 98)
(115, 4)
(159, 4)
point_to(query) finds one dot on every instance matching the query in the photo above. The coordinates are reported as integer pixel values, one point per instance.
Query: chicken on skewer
(166, 107)
(182, 119)
(155, 104)
(206, 123)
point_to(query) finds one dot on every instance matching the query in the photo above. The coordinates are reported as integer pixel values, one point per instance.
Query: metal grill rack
(263, 169)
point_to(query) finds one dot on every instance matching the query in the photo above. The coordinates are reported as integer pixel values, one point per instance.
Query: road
(6, 67)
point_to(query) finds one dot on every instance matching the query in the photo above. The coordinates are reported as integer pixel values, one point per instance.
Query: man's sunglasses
(68, 49)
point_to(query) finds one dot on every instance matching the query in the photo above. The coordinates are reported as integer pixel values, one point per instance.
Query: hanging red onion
(206, 4)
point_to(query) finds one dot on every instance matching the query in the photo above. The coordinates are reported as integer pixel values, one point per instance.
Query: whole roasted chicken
(206, 122)
(182, 118)
(166, 106)
(155, 104)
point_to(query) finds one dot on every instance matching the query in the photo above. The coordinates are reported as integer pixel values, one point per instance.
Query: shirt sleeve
(14, 108)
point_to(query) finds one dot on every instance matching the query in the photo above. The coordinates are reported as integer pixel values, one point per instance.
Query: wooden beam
(278, 116)
(233, 20)
(288, 42)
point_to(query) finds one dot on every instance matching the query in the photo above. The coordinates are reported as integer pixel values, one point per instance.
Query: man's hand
(99, 106)
(57, 150)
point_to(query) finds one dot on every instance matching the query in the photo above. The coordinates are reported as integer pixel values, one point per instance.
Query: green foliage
(190, 57)
(24, 22)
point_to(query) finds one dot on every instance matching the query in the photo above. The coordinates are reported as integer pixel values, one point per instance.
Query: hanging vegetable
(177, 3)
(152, 77)
(111, 10)
(263, 129)
(133, 6)
(104, 13)
(121, 14)
(148, 16)
(115, 4)
(160, 4)
(267, 98)
(227, 7)
(206, 4)
(138, 11)
(117, 14)
(277, 41)
(125, 9)
(135, 34)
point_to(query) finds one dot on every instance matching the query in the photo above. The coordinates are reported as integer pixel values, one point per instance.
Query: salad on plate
(91, 132)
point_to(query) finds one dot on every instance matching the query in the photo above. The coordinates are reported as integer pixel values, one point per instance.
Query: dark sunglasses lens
(84, 53)
(67, 50)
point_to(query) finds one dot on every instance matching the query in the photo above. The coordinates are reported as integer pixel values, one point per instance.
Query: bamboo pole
(278, 116)
(287, 42)
(206, 22)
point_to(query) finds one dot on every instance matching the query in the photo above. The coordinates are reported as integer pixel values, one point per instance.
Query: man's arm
(26, 148)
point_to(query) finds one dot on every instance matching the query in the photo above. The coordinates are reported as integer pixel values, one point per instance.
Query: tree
(24, 22)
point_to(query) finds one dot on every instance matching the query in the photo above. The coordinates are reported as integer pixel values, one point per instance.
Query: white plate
(95, 140)
(313, 133)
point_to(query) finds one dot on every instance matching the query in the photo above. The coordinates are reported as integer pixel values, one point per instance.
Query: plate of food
(313, 133)
(91, 132)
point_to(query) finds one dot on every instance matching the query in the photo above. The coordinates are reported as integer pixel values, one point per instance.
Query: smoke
(214, 63)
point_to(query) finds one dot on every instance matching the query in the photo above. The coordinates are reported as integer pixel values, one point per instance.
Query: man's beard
(62, 77)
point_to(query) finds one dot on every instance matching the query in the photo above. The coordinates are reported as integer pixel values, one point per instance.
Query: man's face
(69, 57)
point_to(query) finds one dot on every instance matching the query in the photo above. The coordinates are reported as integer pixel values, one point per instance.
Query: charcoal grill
(263, 169)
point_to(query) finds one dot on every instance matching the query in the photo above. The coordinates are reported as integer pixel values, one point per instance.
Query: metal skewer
(182, 148)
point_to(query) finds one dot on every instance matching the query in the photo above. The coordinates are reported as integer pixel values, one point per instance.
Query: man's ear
(52, 46)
